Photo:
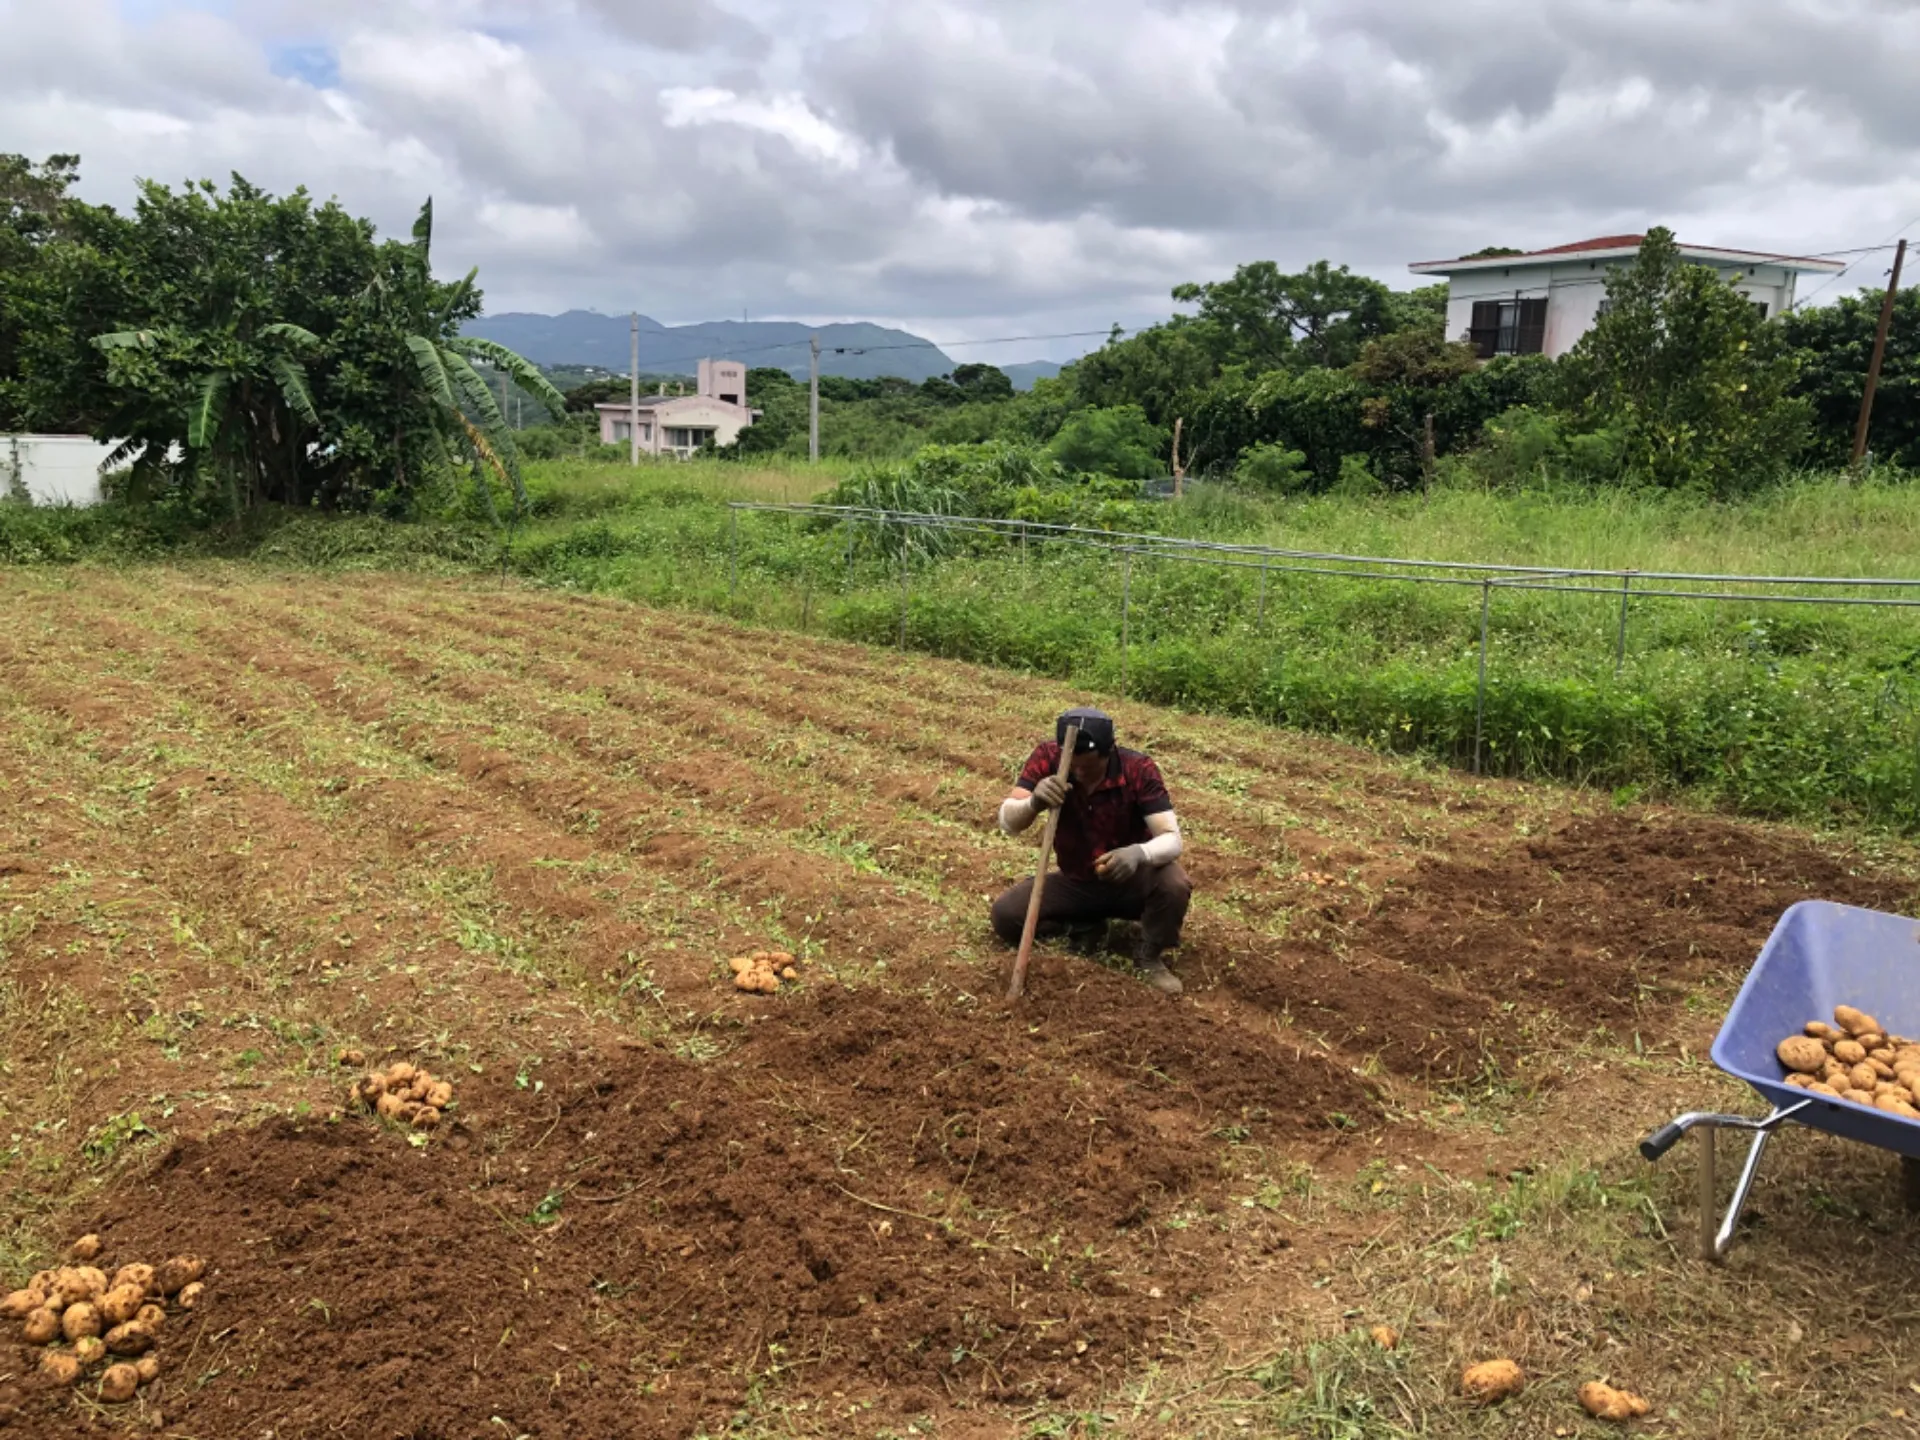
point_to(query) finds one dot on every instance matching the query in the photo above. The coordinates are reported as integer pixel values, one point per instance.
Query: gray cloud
(986, 165)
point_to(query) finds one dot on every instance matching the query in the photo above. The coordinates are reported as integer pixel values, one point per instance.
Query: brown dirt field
(246, 822)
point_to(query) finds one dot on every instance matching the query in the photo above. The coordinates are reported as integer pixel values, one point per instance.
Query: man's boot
(1153, 969)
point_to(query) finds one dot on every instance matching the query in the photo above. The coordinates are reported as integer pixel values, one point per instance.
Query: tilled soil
(247, 823)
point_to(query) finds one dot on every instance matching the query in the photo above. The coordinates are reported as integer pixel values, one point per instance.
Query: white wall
(56, 469)
(1574, 289)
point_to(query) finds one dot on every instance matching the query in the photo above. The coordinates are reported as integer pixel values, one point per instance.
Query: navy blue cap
(1096, 730)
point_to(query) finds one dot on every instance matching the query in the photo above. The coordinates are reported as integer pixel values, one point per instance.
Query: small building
(52, 469)
(1541, 302)
(679, 425)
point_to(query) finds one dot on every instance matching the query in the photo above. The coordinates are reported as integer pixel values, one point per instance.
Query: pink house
(680, 424)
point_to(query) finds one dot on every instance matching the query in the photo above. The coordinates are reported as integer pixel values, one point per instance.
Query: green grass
(1790, 711)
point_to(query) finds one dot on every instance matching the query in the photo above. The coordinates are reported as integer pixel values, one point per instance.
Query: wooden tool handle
(1040, 875)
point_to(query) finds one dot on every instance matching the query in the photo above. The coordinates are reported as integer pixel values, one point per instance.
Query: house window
(1508, 327)
(622, 430)
(1759, 308)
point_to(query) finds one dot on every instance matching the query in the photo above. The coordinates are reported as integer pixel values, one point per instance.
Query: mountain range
(858, 351)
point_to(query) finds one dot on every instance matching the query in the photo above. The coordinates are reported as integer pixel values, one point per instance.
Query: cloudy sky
(980, 168)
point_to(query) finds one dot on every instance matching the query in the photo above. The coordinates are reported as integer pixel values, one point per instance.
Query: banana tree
(443, 362)
(239, 405)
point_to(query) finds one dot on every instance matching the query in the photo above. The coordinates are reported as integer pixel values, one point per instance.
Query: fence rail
(1130, 546)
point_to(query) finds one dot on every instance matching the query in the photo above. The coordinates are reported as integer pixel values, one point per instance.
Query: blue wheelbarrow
(1820, 955)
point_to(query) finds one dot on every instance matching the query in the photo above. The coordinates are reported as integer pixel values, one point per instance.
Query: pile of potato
(761, 972)
(99, 1317)
(406, 1094)
(1855, 1059)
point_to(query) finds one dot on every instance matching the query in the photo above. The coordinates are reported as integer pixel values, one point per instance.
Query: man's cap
(1096, 730)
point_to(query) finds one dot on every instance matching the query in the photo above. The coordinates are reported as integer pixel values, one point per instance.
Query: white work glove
(1051, 792)
(1120, 866)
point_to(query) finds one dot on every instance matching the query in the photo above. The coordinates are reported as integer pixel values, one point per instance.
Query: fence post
(903, 584)
(1480, 698)
(1620, 640)
(1260, 623)
(1126, 615)
(733, 556)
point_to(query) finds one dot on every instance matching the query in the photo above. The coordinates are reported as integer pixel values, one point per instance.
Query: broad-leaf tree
(1683, 369)
(1834, 343)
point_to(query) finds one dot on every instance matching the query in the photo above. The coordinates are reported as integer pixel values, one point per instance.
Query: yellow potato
(180, 1272)
(22, 1303)
(1855, 1022)
(1885, 1054)
(94, 1279)
(389, 1107)
(121, 1304)
(1862, 1076)
(60, 1367)
(1603, 1402)
(1385, 1336)
(69, 1288)
(151, 1316)
(90, 1350)
(119, 1383)
(1820, 1030)
(42, 1327)
(190, 1295)
(1849, 1052)
(147, 1367)
(87, 1247)
(1885, 1072)
(426, 1118)
(1795, 1078)
(1492, 1381)
(79, 1320)
(440, 1096)
(129, 1339)
(1821, 1087)
(137, 1275)
(740, 964)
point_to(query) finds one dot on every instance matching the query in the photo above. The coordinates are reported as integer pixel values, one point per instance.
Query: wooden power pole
(1879, 353)
(633, 397)
(813, 403)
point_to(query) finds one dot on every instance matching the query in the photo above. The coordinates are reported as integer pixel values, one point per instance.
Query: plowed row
(247, 823)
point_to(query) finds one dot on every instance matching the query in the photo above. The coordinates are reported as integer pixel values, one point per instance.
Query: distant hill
(1025, 372)
(583, 337)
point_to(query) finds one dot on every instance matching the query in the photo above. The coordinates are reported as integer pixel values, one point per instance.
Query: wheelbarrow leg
(1717, 1247)
(1910, 1182)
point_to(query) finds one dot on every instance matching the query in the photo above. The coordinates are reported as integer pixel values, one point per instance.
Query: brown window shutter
(1483, 330)
(1533, 327)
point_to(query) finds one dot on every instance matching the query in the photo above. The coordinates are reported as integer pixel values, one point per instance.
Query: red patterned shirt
(1112, 817)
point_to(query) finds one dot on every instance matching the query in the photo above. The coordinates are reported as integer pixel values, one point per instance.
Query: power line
(1886, 244)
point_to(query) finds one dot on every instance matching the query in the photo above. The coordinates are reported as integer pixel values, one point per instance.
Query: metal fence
(1127, 547)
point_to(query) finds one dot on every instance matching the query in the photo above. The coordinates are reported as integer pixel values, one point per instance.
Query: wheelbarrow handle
(1662, 1140)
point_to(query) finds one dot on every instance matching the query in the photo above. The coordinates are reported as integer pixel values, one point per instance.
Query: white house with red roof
(1541, 301)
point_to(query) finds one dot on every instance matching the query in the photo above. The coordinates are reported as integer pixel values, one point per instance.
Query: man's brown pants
(1156, 896)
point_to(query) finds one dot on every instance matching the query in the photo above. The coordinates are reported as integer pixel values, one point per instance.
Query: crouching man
(1118, 845)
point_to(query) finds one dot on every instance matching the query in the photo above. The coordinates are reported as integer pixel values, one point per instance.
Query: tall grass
(1793, 711)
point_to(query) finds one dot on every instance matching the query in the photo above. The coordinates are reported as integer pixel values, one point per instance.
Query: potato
(147, 1367)
(1603, 1402)
(42, 1327)
(79, 1320)
(1872, 1039)
(190, 1295)
(1821, 1087)
(1492, 1381)
(121, 1304)
(22, 1303)
(1385, 1336)
(426, 1118)
(740, 964)
(1884, 1054)
(1820, 1030)
(441, 1095)
(1795, 1078)
(90, 1350)
(1886, 1102)
(389, 1107)
(1854, 1022)
(119, 1383)
(60, 1367)
(399, 1073)
(180, 1272)
(789, 973)
(151, 1316)
(136, 1275)
(87, 1247)
(350, 1057)
(1862, 1076)
(1849, 1052)
(367, 1091)
(1885, 1072)
(409, 1112)
(94, 1279)
(129, 1339)
(69, 1288)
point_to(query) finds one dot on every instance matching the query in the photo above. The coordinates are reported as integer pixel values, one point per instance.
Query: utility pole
(1879, 353)
(633, 396)
(813, 404)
